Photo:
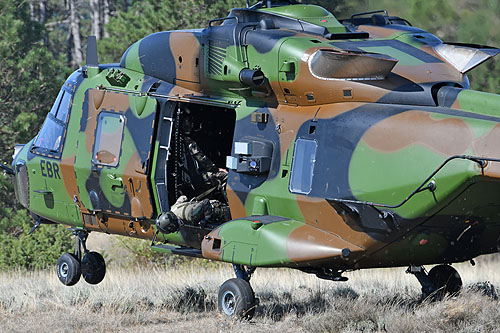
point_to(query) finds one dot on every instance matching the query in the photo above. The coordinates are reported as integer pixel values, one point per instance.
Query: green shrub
(36, 251)
(140, 254)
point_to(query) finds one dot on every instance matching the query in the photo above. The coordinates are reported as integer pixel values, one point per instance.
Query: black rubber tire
(93, 267)
(236, 299)
(446, 279)
(68, 269)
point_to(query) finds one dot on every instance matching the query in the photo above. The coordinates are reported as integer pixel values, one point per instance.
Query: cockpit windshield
(62, 113)
(50, 135)
(52, 132)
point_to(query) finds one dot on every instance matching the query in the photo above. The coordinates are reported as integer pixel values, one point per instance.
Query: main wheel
(236, 298)
(446, 279)
(93, 267)
(68, 269)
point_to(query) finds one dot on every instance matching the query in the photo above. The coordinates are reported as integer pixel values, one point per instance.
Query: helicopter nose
(15, 160)
(21, 182)
(19, 175)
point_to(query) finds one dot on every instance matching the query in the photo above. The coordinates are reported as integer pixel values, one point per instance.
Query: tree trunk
(74, 21)
(106, 14)
(43, 19)
(43, 11)
(95, 19)
(124, 5)
(32, 11)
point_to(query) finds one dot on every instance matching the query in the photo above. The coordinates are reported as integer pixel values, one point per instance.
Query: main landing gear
(71, 266)
(442, 280)
(236, 297)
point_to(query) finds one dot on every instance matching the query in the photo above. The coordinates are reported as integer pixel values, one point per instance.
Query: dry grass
(131, 300)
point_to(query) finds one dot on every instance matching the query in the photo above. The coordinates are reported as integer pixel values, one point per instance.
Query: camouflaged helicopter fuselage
(374, 141)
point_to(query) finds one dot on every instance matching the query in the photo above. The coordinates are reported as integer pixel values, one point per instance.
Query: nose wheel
(93, 267)
(68, 269)
(71, 266)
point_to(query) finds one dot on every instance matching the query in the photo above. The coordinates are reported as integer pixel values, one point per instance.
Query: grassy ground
(131, 300)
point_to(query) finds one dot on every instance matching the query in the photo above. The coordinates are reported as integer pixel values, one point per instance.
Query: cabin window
(108, 140)
(304, 157)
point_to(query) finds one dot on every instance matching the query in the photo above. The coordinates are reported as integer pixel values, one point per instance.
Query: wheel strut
(80, 242)
(420, 273)
(243, 273)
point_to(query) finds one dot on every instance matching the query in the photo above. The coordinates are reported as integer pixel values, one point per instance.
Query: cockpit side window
(55, 106)
(62, 113)
(50, 138)
(108, 140)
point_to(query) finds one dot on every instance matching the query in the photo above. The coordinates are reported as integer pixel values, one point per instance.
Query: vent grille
(216, 56)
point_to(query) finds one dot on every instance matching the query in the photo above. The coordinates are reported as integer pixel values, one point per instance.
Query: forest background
(43, 41)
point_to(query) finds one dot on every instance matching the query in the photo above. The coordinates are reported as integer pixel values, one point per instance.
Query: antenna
(6, 169)
(248, 3)
(92, 60)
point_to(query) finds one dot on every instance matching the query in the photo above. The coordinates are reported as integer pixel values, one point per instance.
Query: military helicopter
(346, 144)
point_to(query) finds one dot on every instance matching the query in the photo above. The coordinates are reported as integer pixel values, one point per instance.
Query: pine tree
(146, 17)
(30, 80)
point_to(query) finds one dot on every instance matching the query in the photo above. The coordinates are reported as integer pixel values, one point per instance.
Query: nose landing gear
(71, 266)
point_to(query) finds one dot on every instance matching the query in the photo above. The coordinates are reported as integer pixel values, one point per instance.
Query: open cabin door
(162, 149)
(113, 153)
